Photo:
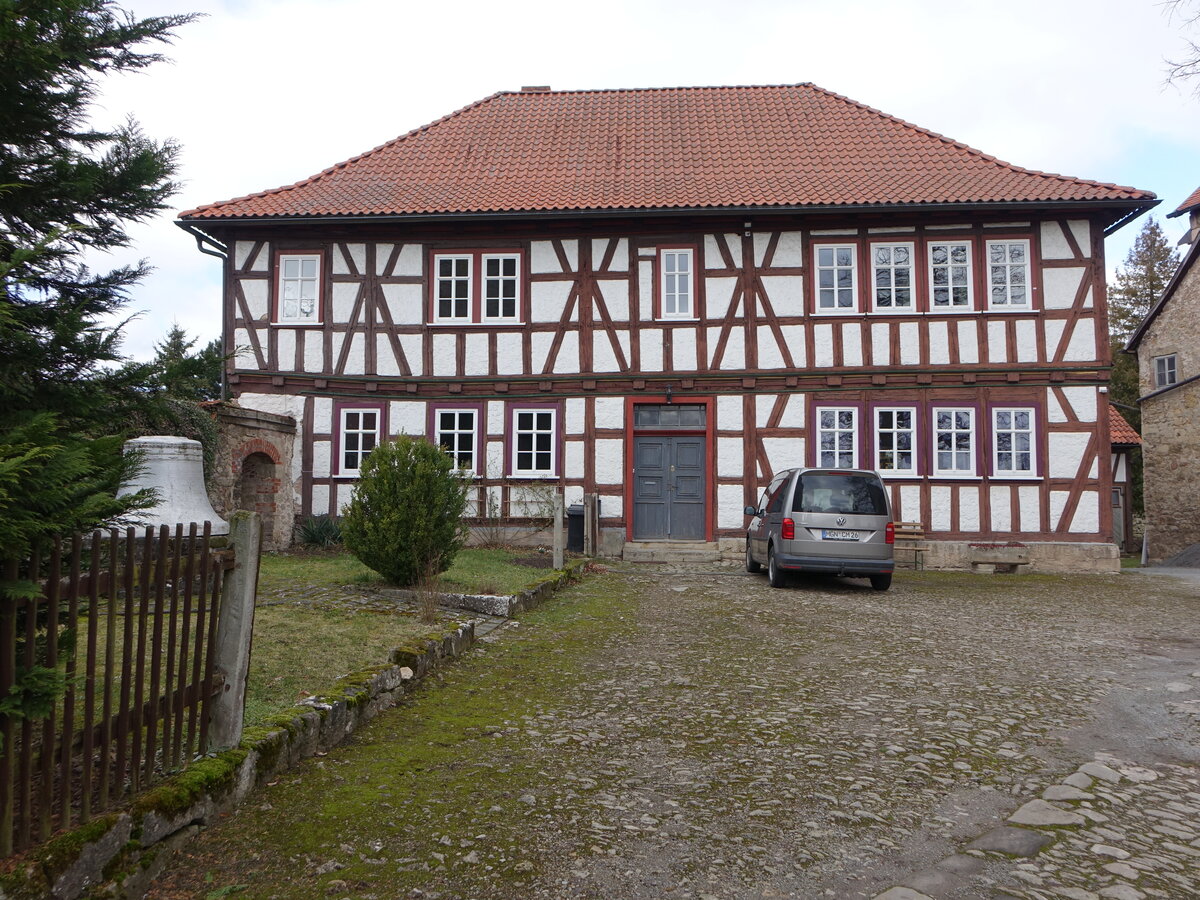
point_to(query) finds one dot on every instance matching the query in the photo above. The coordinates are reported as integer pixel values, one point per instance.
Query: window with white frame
(1012, 442)
(453, 288)
(892, 277)
(676, 283)
(473, 287)
(1164, 371)
(1008, 274)
(837, 437)
(895, 441)
(299, 289)
(501, 287)
(455, 431)
(954, 441)
(358, 435)
(837, 277)
(950, 274)
(534, 441)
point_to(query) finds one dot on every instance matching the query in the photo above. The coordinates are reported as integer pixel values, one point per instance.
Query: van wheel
(751, 565)
(881, 582)
(774, 574)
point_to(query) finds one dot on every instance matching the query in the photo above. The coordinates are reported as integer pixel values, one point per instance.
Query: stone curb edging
(123, 851)
(505, 605)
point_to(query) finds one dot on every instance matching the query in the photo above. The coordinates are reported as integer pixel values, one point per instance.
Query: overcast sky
(261, 94)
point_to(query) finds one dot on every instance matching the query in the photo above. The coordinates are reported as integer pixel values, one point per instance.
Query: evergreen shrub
(406, 518)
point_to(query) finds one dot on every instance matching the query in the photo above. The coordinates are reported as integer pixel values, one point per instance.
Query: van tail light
(788, 530)
(889, 533)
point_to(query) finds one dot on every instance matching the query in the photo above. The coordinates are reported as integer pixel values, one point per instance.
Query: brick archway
(257, 490)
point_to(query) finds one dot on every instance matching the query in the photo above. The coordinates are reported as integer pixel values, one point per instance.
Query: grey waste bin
(575, 528)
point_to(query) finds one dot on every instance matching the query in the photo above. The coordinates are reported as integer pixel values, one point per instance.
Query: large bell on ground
(174, 467)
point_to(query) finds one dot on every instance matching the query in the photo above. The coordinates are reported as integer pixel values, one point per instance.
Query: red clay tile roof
(1187, 205)
(662, 148)
(1120, 431)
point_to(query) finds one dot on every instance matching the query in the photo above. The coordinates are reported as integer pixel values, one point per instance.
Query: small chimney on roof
(535, 89)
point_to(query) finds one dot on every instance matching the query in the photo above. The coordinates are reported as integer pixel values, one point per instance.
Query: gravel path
(673, 732)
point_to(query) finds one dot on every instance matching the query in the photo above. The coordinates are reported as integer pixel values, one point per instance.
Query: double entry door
(668, 487)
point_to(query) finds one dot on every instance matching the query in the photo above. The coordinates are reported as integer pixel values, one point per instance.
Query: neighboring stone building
(1167, 344)
(254, 455)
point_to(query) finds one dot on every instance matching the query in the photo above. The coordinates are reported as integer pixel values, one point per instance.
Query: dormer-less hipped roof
(700, 149)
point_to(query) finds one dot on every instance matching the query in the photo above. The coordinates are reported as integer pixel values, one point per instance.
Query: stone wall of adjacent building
(252, 469)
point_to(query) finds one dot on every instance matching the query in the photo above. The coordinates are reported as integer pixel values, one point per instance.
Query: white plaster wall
(939, 342)
(789, 251)
(1081, 228)
(823, 344)
(1082, 345)
(968, 507)
(358, 253)
(495, 463)
(411, 261)
(651, 344)
(542, 258)
(729, 412)
(1027, 350)
(413, 353)
(286, 348)
(445, 354)
(335, 348)
(683, 350)
(793, 413)
(645, 275)
(718, 293)
(356, 359)
(610, 461)
(939, 507)
(345, 493)
(761, 241)
(243, 357)
(968, 341)
(322, 414)
(729, 457)
(407, 417)
(620, 260)
(539, 350)
(1066, 449)
(476, 362)
(910, 503)
(852, 344)
(568, 354)
(321, 458)
(763, 406)
(997, 349)
(574, 459)
(1087, 514)
(712, 254)
(769, 354)
(320, 499)
(280, 404)
(1029, 501)
(571, 252)
(314, 352)
(1054, 330)
(786, 293)
(405, 303)
(794, 337)
(1054, 243)
(257, 301)
(1054, 412)
(508, 353)
(1083, 402)
(610, 412)
(729, 506)
(735, 348)
(495, 417)
(910, 344)
(1059, 287)
(783, 452)
(574, 416)
(1000, 497)
(548, 300)
(881, 343)
(604, 359)
(385, 358)
(241, 249)
(1118, 466)
(344, 294)
(616, 299)
(382, 252)
(612, 506)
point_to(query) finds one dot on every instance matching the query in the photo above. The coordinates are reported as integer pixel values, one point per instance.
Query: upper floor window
(1164, 371)
(1012, 442)
(456, 432)
(895, 441)
(298, 287)
(359, 432)
(950, 275)
(892, 277)
(953, 442)
(1008, 274)
(473, 287)
(533, 440)
(676, 283)
(837, 437)
(837, 278)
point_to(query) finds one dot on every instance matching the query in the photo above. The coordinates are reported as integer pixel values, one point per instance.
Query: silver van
(836, 521)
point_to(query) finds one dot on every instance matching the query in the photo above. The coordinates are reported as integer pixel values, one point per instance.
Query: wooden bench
(910, 536)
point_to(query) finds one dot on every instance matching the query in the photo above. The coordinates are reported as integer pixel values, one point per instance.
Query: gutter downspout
(221, 252)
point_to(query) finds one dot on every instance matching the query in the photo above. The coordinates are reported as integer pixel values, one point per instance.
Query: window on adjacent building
(1012, 442)
(954, 441)
(1008, 274)
(837, 437)
(534, 441)
(837, 278)
(676, 283)
(895, 441)
(950, 274)
(472, 287)
(298, 300)
(358, 434)
(456, 432)
(892, 277)
(1165, 371)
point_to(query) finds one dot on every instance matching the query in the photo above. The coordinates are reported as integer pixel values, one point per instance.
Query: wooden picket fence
(128, 619)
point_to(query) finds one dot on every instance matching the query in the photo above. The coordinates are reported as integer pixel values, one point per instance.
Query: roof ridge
(345, 162)
(967, 147)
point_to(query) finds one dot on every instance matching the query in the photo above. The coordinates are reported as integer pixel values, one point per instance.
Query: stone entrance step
(671, 551)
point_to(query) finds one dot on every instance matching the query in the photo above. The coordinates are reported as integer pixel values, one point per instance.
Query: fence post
(557, 527)
(234, 626)
(590, 531)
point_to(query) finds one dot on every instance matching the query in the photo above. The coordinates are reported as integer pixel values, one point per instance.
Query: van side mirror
(752, 511)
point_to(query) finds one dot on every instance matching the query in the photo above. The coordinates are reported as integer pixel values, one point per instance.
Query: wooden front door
(669, 488)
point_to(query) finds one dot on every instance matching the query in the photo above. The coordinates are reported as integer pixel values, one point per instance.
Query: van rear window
(860, 495)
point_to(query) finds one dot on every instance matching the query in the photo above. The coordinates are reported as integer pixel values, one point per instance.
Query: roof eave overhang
(1121, 211)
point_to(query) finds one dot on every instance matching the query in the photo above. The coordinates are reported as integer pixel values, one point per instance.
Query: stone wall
(252, 470)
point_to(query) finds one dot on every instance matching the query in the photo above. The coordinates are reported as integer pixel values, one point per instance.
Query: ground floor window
(457, 432)
(533, 439)
(837, 437)
(359, 431)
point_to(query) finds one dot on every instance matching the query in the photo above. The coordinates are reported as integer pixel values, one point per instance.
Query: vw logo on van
(841, 520)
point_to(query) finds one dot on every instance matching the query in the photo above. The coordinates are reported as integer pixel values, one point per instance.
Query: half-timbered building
(663, 296)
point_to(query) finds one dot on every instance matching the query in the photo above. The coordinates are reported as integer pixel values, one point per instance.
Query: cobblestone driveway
(662, 732)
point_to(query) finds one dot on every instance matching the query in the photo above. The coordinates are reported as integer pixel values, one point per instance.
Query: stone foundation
(252, 470)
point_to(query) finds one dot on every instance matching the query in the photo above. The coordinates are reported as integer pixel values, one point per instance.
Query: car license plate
(833, 534)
